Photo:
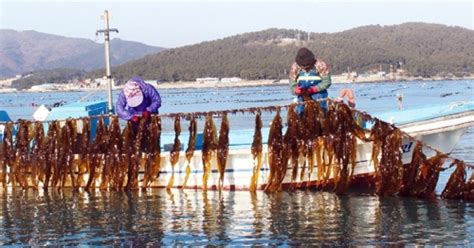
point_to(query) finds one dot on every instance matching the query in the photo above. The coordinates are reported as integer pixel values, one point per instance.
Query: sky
(178, 23)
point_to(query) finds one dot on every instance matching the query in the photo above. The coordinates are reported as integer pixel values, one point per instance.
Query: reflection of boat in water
(440, 126)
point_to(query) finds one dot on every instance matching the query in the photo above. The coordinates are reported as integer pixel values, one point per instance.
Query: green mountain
(28, 51)
(420, 48)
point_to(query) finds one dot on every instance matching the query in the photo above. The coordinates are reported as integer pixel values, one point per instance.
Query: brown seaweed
(126, 154)
(38, 155)
(152, 168)
(22, 159)
(389, 175)
(99, 148)
(468, 191)
(63, 156)
(209, 146)
(136, 158)
(52, 151)
(343, 139)
(112, 156)
(223, 149)
(174, 153)
(313, 123)
(7, 148)
(455, 187)
(191, 147)
(410, 171)
(277, 156)
(256, 150)
(84, 151)
(292, 141)
(379, 131)
(427, 177)
(68, 141)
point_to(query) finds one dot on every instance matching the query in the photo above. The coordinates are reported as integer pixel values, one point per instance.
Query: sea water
(194, 217)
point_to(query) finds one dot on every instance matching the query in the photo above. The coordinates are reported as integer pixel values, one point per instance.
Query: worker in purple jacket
(137, 99)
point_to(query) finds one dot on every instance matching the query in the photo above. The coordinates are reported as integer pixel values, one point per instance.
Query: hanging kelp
(58, 165)
(389, 176)
(377, 135)
(136, 158)
(174, 153)
(222, 149)
(84, 151)
(112, 156)
(277, 155)
(410, 171)
(256, 150)
(328, 139)
(99, 148)
(292, 141)
(330, 166)
(52, 151)
(209, 146)
(126, 154)
(389, 171)
(20, 166)
(21, 156)
(191, 147)
(309, 128)
(152, 167)
(38, 156)
(344, 133)
(68, 142)
(319, 149)
(455, 187)
(427, 176)
(314, 122)
(468, 193)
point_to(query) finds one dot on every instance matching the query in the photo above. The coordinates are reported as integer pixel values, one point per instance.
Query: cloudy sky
(178, 23)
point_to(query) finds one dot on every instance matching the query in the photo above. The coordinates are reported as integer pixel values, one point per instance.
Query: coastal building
(7, 82)
(207, 80)
(231, 80)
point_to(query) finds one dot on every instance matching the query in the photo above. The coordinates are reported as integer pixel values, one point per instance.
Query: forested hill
(423, 50)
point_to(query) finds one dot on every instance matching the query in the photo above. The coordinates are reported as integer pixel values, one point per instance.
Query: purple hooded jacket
(151, 101)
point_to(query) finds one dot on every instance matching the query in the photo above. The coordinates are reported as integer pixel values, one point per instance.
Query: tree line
(422, 49)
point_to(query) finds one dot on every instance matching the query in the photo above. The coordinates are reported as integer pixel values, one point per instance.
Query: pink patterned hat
(133, 93)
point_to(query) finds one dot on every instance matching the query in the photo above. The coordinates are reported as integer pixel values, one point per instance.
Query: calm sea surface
(304, 217)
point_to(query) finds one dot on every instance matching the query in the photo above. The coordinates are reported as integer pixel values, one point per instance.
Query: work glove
(312, 90)
(146, 114)
(298, 90)
(135, 118)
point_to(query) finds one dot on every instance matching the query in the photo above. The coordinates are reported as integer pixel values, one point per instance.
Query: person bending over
(137, 99)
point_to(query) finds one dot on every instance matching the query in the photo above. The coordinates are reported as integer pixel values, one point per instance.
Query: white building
(207, 80)
(231, 80)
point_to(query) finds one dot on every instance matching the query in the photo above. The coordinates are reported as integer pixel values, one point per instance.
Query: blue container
(4, 117)
(78, 110)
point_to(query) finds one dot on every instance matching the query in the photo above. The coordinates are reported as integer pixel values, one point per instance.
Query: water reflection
(161, 218)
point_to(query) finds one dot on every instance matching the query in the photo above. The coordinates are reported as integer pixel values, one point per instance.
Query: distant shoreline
(244, 83)
(257, 83)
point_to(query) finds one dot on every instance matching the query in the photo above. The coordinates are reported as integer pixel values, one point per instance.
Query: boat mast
(108, 75)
